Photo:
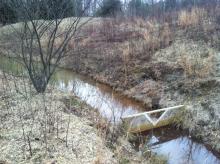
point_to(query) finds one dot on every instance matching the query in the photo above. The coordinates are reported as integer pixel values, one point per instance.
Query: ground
(81, 145)
(158, 64)
(56, 127)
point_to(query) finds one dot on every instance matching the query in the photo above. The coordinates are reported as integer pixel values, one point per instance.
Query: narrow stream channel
(178, 147)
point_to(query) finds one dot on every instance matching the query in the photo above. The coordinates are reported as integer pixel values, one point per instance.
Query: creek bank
(114, 135)
(81, 145)
(77, 134)
(170, 78)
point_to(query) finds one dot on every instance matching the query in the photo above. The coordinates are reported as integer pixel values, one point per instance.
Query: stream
(176, 146)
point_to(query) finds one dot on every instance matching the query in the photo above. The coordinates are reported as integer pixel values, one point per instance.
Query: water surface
(177, 147)
(110, 104)
(180, 148)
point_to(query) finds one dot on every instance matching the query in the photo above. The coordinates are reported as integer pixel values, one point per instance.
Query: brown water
(177, 146)
(110, 104)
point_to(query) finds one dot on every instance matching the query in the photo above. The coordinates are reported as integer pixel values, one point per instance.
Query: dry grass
(191, 18)
(22, 121)
(166, 35)
(151, 40)
(197, 66)
(156, 35)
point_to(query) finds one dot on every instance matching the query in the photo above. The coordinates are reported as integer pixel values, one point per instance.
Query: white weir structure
(153, 119)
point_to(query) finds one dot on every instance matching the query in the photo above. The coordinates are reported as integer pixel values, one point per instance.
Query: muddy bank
(186, 72)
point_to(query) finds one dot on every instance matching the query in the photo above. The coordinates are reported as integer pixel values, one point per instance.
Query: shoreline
(84, 129)
(194, 133)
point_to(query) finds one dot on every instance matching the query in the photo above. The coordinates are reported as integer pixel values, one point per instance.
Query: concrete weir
(153, 119)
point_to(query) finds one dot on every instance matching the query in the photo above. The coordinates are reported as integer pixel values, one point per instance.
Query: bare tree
(44, 34)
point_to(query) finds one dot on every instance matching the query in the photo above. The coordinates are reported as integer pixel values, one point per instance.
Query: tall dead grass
(191, 18)
(156, 35)
(196, 66)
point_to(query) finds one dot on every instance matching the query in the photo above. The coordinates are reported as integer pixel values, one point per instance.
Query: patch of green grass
(124, 161)
(75, 102)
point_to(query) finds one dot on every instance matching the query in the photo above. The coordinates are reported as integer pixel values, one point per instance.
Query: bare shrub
(43, 40)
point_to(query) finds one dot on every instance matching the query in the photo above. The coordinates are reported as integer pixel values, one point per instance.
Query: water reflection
(183, 150)
(110, 104)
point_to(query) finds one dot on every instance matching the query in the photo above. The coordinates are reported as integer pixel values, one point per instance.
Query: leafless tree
(43, 37)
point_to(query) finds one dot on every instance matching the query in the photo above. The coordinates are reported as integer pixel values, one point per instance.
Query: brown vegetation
(156, 63)
(191, 18)
(159, 64)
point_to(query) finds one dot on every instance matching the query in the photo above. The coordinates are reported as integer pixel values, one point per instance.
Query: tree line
(43, 9)
(100, 8)
(145, 8)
